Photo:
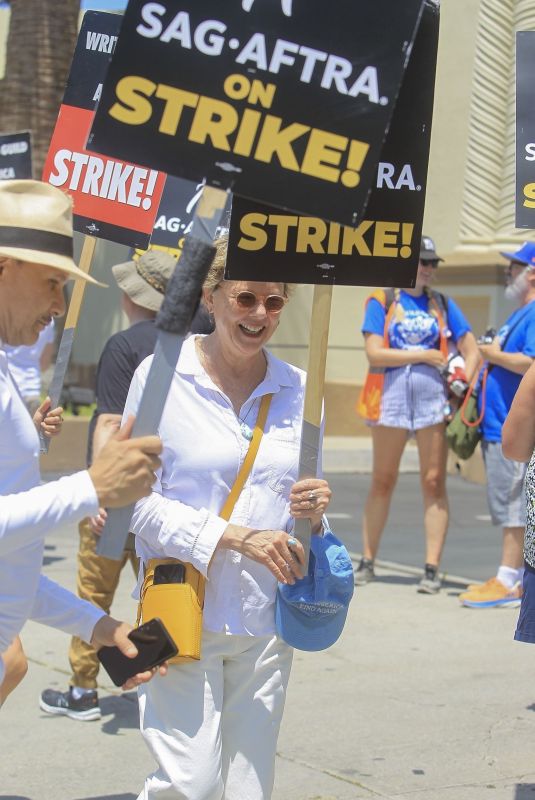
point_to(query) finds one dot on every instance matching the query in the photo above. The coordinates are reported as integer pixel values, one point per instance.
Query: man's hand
(124, 469)
(112, 633)
(47, 420)
(490, 351)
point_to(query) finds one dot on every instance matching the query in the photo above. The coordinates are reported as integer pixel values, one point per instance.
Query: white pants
(212, 725)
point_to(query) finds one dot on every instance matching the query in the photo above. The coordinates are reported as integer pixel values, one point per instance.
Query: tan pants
(97, 581)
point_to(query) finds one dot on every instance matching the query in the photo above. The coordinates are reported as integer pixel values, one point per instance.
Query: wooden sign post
(67, 337)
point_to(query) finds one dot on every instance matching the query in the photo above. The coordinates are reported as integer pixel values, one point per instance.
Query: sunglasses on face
(273, 303)
(429, 262)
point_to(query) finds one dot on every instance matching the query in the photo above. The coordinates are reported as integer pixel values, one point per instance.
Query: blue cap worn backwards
(310, 615)
(526, 254)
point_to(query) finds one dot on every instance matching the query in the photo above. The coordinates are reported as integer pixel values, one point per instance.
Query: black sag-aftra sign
(15, 155)
(525, 130)
(283, 102)
(267, 244)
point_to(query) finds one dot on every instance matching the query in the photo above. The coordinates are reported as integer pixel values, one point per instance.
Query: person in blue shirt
(409, 335)
(508, 357)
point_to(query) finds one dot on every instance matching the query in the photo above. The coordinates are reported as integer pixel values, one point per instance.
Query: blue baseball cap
(310, 615)
(526, 254)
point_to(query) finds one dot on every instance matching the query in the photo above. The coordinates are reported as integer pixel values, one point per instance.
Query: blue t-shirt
(502, 383)
(417, 329)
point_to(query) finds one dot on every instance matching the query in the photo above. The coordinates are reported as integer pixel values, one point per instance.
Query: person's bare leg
(16, 667)
(513, 548)
(388, 446)
(433, 453)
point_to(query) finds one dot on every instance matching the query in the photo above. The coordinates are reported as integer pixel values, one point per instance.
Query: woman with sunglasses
(407, 345)
(213, 726)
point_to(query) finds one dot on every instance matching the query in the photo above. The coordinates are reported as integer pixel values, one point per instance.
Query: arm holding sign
(31, 292)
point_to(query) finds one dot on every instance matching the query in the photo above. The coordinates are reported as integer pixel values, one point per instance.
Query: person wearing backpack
(409, 335)
(509, 357)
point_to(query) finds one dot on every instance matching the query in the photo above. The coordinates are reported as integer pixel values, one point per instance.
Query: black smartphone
(154, 644)
(170, 573)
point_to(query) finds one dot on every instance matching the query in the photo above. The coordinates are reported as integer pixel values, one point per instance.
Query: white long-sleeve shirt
(203, 449)
(27, 512)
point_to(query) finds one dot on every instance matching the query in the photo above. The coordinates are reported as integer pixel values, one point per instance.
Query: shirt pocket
(284, 466)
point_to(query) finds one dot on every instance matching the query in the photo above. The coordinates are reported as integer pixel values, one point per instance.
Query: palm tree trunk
(41, 40)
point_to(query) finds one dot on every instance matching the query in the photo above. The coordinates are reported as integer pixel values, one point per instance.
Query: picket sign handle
(67, 338)
(173, 322)
(315, 385)
(77, 296)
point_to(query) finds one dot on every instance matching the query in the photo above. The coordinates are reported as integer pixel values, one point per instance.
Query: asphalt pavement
(419, 699)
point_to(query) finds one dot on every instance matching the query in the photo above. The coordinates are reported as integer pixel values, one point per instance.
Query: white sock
(510, 575)
(79, 691)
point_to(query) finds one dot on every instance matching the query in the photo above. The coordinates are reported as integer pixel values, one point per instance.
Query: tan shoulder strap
(228, 507)
(230, 502)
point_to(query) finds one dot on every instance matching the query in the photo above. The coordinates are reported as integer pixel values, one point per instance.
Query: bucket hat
(144, 280)
(311, 613)
(36, 226)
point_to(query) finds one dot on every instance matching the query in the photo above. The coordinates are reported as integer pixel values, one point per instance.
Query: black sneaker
(84, 708)
(365, 572)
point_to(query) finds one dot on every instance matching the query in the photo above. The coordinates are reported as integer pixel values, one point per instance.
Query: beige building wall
(469, 205)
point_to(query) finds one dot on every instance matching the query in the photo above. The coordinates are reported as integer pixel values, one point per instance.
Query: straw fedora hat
(36, 226)
(144, 280)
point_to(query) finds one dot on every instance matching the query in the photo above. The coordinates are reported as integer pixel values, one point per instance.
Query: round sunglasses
(273, 303)
(429, 262)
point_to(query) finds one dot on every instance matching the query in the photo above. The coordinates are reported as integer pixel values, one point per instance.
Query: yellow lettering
(385, 239)
(257, 235)
(175, 101)
(215, 120)
(334, 238)
(237, 86)
(274, 141)
(244, 141)
(529, 194)
(133, 107)
(324, 148)
(262, 93)
(282, 223)
(310, 233)
(354, 238)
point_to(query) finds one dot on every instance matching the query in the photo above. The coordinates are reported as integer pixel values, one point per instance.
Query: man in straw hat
(143, 285)
(35, 262)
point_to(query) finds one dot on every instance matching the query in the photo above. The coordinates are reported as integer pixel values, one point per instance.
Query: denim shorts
(413, 397)
(525, 627)
(505, 487)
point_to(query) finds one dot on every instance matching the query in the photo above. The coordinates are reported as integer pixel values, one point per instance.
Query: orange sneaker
(492, 594)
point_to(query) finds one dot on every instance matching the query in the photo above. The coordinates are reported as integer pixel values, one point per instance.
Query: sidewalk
(419, 700)
(354, 454)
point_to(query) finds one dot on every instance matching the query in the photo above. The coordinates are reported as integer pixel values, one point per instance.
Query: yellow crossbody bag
(180, 605)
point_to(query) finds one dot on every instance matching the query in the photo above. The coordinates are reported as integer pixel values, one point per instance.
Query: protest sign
(174, 219)
(15, 156)
(383, 250)
(113, 199)
(283, 103)
(525, 130)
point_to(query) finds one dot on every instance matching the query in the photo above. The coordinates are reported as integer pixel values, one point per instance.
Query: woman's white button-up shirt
(204, 448)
